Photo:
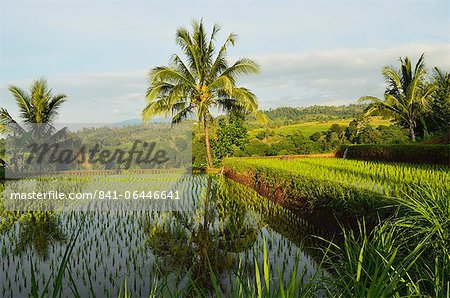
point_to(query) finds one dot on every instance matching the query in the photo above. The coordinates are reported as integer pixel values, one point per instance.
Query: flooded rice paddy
(221, 235)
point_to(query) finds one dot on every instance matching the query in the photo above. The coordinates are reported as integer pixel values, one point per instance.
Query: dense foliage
(411, 153)
(436, 119)
(288, 115)
(269, 143)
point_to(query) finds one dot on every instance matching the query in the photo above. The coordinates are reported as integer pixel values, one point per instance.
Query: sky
(318, 52)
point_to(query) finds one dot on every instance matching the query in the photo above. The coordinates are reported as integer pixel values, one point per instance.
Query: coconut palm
(437, 118)
(407, 95)
(39, 106)
(201, 82)
(38, 112)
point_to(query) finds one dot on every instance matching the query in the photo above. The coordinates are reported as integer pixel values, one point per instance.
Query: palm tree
(39, 106)
(437, 118)
(202, 82)
(407, 95)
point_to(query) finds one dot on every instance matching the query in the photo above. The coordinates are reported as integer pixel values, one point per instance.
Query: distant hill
(130, 121)
(135, 121)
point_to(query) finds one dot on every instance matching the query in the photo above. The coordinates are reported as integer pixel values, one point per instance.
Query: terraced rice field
(309, 128)
(345, 186)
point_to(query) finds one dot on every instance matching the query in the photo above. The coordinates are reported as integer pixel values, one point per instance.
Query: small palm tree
(200, 83)
(407, 95)
(37, 107)
(437, 119)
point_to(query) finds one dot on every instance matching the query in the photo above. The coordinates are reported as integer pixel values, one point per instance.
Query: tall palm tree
(39, 106)
(407, 95)
(202, 82)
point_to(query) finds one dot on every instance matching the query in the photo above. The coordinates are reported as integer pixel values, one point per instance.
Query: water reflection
(194, 245)
(39, 231)
(221, 233)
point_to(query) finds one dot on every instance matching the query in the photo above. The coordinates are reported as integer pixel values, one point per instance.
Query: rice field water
(225, 243)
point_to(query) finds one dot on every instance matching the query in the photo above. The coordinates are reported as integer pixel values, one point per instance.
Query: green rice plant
(63, 267)
(345, 187)
(297, 286)
(372, 264)
(426, 215)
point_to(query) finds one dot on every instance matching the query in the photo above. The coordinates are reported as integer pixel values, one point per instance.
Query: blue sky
(311, 52)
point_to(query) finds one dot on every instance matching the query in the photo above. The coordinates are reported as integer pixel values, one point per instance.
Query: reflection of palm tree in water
(39, 231)
(202, 242)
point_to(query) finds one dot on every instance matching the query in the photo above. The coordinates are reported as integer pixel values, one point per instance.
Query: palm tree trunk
(208, 146)
(411, 132)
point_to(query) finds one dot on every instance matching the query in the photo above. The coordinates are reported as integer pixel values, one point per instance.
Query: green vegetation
(405, 254)
(309, 128)
(435, 118)
(289, 115)
(203, 82)
(412, 153)
(39, 106)
(346, 187)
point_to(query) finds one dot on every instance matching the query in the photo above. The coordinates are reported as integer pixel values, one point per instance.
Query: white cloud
(296, 79)
(339, 76)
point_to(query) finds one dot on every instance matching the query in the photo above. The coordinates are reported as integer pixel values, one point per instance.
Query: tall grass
(371, 264)
(426, 215)
(406, 255)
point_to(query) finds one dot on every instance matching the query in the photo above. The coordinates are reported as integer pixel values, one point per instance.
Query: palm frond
(241, 67)
(168, 75)
(220, 63)
(8, 122)
(222, 83)
(23, 101)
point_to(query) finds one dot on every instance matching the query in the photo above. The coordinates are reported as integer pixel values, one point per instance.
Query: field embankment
(327, 190)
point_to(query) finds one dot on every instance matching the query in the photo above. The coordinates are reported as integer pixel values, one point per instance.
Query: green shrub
(417, 153)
